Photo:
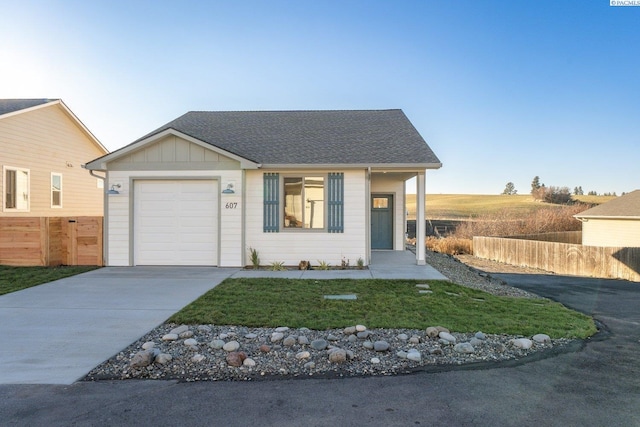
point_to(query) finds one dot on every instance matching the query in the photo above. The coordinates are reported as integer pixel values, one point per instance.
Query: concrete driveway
(57, 332)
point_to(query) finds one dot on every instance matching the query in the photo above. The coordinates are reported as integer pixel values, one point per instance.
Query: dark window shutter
(271, 218)
(336, 203)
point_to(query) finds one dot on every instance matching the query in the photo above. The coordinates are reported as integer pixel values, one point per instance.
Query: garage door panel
(175, 222)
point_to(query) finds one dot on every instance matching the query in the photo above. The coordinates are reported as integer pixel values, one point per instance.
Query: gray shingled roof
(11, 105)
(624, 206)
(309, 137)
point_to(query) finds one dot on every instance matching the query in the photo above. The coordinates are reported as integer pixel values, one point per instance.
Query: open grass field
(466, 206)
(380, 304)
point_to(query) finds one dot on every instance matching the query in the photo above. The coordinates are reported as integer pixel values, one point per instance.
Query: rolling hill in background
(466, 206)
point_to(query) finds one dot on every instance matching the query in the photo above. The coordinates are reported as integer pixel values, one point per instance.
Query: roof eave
(373, 166)
(634, 217)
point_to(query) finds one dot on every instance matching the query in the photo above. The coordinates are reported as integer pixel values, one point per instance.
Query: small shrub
(323, 265)
(277, 266)
(360, 263)
(254, 258)
(344, 264)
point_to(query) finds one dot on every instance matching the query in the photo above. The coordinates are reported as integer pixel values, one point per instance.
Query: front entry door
(382, 221)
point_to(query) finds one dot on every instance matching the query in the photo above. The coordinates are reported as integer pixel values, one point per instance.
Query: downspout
(103, 178)
(105, 241)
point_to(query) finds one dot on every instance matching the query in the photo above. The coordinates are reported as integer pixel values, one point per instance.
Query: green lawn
(379, 304)
(17, 278)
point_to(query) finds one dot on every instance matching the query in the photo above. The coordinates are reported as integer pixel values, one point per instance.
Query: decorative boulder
(142, 359)
(235, 358)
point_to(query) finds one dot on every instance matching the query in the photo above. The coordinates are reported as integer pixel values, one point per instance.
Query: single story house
(613, 224)
(294, 185)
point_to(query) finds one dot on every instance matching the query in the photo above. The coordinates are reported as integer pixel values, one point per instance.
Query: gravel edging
(195, 353)
(196, 356)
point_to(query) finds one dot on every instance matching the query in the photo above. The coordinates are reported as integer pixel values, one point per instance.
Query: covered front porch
(387, 212)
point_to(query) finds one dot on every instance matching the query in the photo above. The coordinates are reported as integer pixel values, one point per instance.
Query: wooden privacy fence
(51, 241)
(562, 258)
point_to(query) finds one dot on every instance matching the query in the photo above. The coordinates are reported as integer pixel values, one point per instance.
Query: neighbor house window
(16, 189)
(304, 202)
(56, 190)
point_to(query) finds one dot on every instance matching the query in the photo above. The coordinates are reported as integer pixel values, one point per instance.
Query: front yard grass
(17, 278)
(269, 302)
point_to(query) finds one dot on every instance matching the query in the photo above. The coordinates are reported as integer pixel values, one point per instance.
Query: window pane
(56, 190)
(314, 202)
(10, 189)
(380, 203)
(293, 202)
(22, 190)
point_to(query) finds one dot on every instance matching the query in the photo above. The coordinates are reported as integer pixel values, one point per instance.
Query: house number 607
(231, 205)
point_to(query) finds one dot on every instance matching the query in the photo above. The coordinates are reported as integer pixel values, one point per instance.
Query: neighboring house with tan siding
(43, 147)
(293, 185)
(613, 224)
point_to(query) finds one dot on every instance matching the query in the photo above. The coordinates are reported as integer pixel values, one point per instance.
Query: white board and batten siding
(619, 233)
(292, 246)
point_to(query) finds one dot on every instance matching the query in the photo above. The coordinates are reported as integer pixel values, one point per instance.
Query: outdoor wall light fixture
(113, 190)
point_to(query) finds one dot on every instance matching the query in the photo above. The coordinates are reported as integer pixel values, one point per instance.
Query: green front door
(382, 221)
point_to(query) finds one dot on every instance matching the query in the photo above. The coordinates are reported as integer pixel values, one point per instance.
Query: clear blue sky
(501, 90)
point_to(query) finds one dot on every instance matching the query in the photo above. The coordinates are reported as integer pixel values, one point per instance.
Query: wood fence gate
(51, 241)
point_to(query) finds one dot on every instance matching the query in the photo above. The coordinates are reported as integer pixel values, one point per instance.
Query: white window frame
(53, 174)
(26, 195)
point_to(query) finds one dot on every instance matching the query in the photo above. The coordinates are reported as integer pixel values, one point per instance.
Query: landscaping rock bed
(208, 352)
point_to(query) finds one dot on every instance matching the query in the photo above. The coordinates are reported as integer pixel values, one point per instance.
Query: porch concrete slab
(57, 332)
(401, 265)
(384, 265)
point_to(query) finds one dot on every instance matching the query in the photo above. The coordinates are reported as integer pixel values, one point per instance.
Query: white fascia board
(101, 163)
(82, 126)
(578, 216)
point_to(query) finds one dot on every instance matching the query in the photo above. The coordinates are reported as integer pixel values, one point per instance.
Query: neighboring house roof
(11, 107)
(330, 137)
(627, 206)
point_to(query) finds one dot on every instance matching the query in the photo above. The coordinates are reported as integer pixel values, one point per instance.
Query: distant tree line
(551, 194)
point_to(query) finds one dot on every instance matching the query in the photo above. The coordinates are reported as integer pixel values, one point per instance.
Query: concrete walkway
(57, 332)
(384, 265)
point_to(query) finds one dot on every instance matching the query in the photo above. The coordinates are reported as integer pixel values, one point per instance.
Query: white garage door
(175, 222)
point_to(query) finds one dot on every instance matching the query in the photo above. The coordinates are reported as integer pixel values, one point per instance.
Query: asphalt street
(597, 384)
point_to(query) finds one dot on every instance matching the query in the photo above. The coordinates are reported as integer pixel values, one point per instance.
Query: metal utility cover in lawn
(347, 297)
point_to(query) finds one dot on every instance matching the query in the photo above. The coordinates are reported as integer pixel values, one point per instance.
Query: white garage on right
(613, 224)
